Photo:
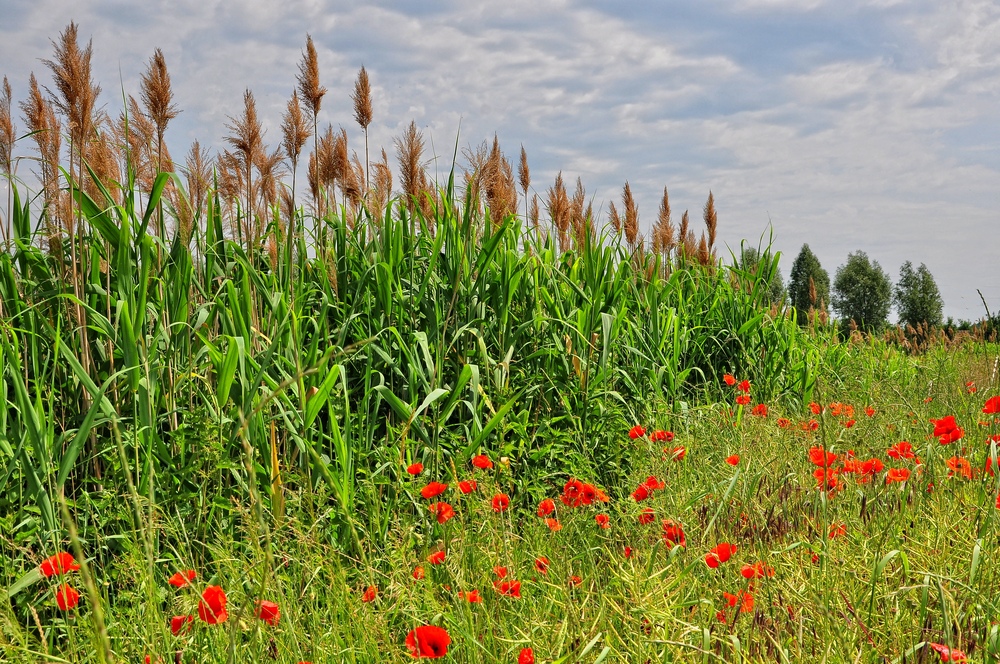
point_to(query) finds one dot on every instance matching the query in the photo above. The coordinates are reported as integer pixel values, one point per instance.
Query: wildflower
(733, 460)
(661, 435)
(815, 408)
(636, 432)
(501, 502)
(472, 597)
(66, 597)
(948, 654)
(837, 530)
(784, 422)
(744, 599)
(654, 484)
(730, 379)
(627, 552)
(573, 493)
(970, 387)
(371, 592)
(575, 581)
(812, 425)
(61, 563)
(508, 588)
(756, 571)
(181, 579)
(553, 525)
(443, 511)
(961, 466)
(527, 656)
(821, 457)
(947, 430)
(482, 462)
(641, 493)
(869, 411)
(546, 507)
(744, 386)
(433, 490)
(467, 486)
(212, 606)
(179, 624)
(415, 468)
(848, 424)
(743, 400)
(901, 450)
(602, 520)
(678, 453)
(992, 406)
(436, 558)
(542, 564)
(428, 642)
(418, 572)
(760, 410)
(647, 516)
(826, 479)
(673, 533)
(720, 554)
(270, 613)
(500, 571)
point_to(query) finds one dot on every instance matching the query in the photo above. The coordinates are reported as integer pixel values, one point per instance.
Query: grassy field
(362, 423)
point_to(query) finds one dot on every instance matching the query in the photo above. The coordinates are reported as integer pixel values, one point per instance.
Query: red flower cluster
(443, 511)
(662, 436)
(59, 564)
(947, 430)
(992, 406)
(576, 493)
(720, 554)
(901, 450)
(673, 533)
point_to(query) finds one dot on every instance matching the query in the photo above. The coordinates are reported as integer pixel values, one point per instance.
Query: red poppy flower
(508, 588)
(756, 571)
(588, 494)
(602, 520)
(371, 592)
(542, 564)
(733, 460)
(664, 436)
(67, 597)
(553, 525)
(760, 410)
(837, 530)
(897, 475)
(826, 479)
(743, 400)
(527, 656)
(647, 516)
(678, 453)
(821, 457)
(212, 605)
(730, 379)
(869, 411)
(436, 558)
(947, 430)
(628, 550)
(815, 408)
(546, 507)
(641, 493)
(61, 563)
(636, 432)
(443, 511)
(270, 613)
(961, 466)
(428, 642)
(744, 599)
(418, 572)
(599, 494)
(181, 579)
(433, 490)
(654, 484)
(673, 533)
(500, 571)
(482, 462)
(784, 422)
(848, 424)
(181, 624)
(901, 450)
(501, 502)
(573, 493)
(415, 468)
(467, 486)
(472, 597)
(575, 581)
(992, 406)
(720, 554)
(948, 654)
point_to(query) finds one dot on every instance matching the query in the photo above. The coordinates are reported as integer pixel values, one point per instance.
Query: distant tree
(862, 292)
(751, 261)
(808, 284)
(917, 297)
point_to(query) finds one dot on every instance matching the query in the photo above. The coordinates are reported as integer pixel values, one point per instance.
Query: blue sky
(848, 124)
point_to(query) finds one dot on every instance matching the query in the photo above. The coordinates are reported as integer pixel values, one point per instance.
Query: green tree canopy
(806, 267)
(917, 297)
(862, 292)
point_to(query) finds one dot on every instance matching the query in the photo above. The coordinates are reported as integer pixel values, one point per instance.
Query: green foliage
(808, 275)
(751, 260)
(862, 292)
(917, 297)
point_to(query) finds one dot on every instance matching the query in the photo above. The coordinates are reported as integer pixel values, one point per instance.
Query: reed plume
(577, 219)
(614, 218)
(409, 150)
(524, 178)
(631, 216)
(312, 95)
(533, 215)
(247, 137)
(362, 98)
(197, 173)
(134, 132)
(558, 207)
(682, 235)
(381, 189)
(157, 97)
(711, 220)
(7, 137)
(40, 118)
(498, 183)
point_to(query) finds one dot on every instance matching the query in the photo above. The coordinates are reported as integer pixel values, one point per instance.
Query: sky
(850, 125)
